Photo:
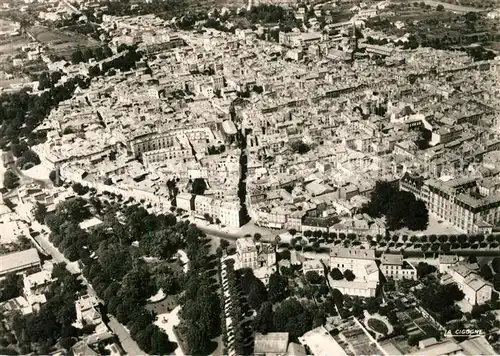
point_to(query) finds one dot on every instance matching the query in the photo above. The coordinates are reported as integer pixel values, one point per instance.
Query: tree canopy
(21, 112)
(10, 179)
(53, 321)
(440, 300)
(292, 317)
(199, 186)
(278, 287)
(117, 273)
(423, 269)
(336, 274)
(400, 208)
(11, 287)
(254, 289)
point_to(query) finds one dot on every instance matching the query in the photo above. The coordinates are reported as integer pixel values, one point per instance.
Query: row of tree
(85, 55)
(239, 309)
(201, 303)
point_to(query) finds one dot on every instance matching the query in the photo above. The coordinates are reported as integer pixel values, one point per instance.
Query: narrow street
(129, 345)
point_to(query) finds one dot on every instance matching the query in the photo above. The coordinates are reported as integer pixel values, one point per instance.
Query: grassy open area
(61, 43)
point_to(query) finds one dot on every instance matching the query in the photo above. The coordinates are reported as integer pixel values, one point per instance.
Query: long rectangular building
(461, 202)
(19, 261)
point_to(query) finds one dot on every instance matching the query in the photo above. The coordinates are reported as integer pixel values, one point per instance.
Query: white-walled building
(313, 265)
(228, 212)
(394, 266)
(17, 262)
(87, 312)
(359, 288)
(253, 254)
(247, 252)
(362, 263)
(476, 289)
(35, 285)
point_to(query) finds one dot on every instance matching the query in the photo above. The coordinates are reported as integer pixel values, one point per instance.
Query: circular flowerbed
(378, 326)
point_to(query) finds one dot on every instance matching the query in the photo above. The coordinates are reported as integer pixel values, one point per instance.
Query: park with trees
(449, 30)
(125, 281)
(125, 62)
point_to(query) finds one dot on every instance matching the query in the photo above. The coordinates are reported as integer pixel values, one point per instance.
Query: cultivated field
(60, 43)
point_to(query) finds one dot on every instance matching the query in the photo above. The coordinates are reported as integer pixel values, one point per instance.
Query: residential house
(359, 261)
(445, 261)
(35, 285)
(362, 263)
(313, 265)
(394, 266)
(476, 289)
(360, 227)
(259, 256)
(87, 312)
(247, 252)
(184, 201)
(320, 342)
(19, 261)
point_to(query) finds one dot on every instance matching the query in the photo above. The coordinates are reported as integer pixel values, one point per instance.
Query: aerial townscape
(250, 177)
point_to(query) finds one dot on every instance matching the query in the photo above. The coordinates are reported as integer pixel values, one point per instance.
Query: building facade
(360, 262)
(476, 289)
(460, 202)
(253, 254)
(395, 267)
(246, 251)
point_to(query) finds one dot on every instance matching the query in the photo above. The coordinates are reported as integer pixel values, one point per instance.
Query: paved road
(129, 345)
(215, 232)
(56, 255)
(220, 234)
